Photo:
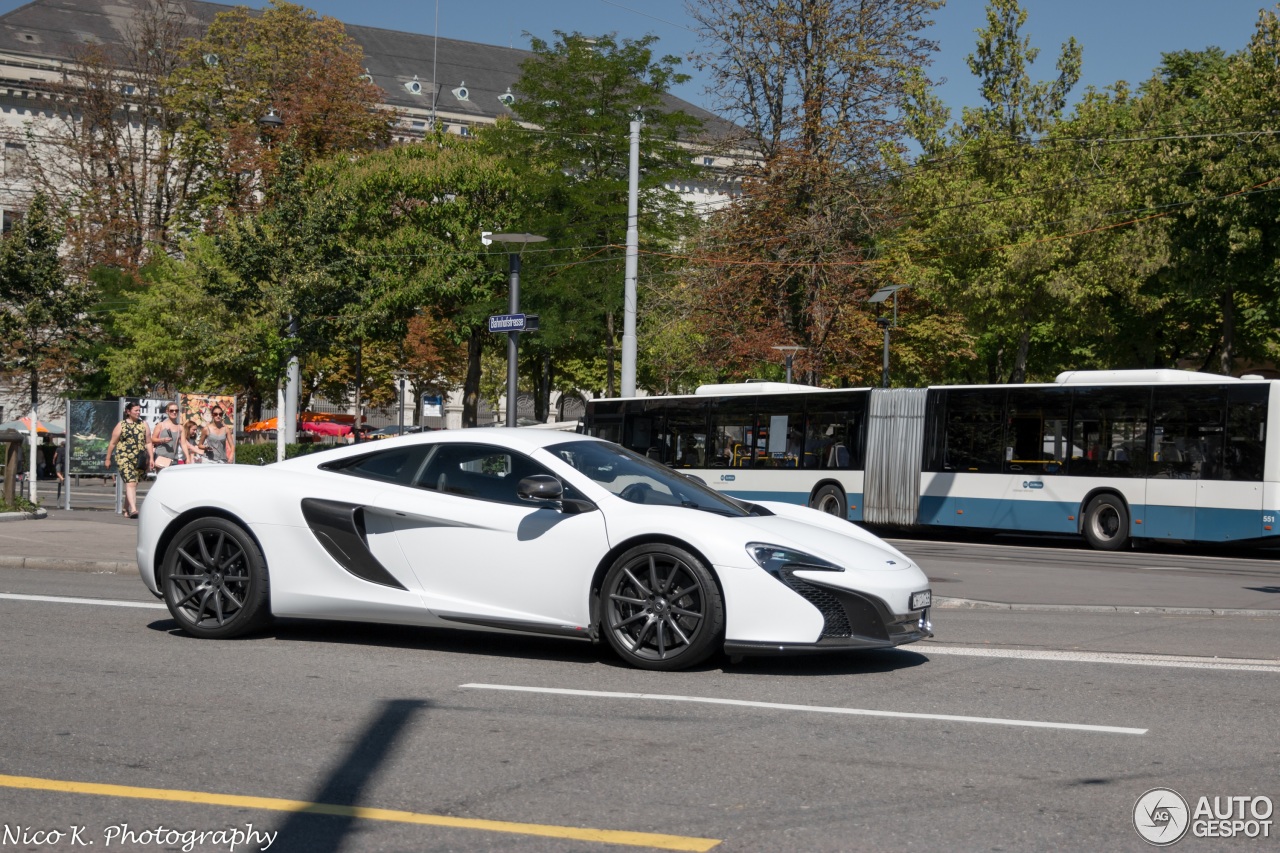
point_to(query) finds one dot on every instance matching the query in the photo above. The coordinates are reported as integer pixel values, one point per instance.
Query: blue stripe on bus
(798, 498)
(1205, 524)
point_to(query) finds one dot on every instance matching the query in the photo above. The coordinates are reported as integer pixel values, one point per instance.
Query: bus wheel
(830, 500)
(1106, 523)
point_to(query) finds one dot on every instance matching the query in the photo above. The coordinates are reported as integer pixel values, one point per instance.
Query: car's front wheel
(661, 608)
(215, 579)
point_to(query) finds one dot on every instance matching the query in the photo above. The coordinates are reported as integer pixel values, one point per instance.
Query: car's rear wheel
(661, 608)
(215, 579)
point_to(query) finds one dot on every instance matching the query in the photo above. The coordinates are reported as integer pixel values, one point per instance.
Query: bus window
(1187, 432)
(1109, 430)
(835, 432)
(973, 434)
(682, 437)
(1245, 448)
(734, 434)
(1037, 440)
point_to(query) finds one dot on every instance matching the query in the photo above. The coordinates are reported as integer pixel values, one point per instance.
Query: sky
(1122, 39)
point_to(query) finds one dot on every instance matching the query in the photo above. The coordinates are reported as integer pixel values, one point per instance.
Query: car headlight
(774, 559)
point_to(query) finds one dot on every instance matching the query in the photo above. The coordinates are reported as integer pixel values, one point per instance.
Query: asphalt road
(1014, 730)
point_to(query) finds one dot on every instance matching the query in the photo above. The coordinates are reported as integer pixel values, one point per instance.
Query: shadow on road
(319, 830)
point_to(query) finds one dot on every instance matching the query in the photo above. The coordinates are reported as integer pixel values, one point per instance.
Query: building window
(708, 161)
(15, 158)
(8, 219)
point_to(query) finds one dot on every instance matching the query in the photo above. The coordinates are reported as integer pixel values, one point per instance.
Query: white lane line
(1184, 662)
(814, 709)
(103, 602)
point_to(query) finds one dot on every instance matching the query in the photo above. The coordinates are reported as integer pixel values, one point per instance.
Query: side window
(736, 443)
(480, 471)
(1186, 433)
(1109, 432)
(400, 465)
(1245, 449)
(974, 431)
(834, 432)
(1036, 441)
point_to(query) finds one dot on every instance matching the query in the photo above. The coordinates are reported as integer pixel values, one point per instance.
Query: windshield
(634, 478)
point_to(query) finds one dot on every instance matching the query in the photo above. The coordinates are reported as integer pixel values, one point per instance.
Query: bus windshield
(639, 480)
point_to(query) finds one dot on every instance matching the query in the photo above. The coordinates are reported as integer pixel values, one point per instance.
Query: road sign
(513, 323)
(507, 323)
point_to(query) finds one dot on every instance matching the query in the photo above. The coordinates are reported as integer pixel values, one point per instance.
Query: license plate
(921, 600)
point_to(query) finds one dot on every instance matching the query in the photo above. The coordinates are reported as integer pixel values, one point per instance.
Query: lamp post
(790, 353)
(286, 402)
(513, 337)
(885, 323)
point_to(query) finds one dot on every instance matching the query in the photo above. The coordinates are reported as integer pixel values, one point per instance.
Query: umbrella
(326, 428)
(24, 425)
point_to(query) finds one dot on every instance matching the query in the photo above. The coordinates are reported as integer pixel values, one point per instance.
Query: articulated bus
(1111, 455)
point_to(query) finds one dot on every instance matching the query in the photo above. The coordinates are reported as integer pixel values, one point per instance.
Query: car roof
(520, 439)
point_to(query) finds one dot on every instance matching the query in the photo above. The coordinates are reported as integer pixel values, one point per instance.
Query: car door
(482, 555)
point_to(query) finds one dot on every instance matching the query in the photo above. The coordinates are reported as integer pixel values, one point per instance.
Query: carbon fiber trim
(339, 527)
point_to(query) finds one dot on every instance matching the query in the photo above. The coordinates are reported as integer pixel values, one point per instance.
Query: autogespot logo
(1161, 816)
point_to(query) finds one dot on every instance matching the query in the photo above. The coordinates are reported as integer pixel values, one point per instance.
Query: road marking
(1180, 661)
(814, 709)
(602, 836)
(104, 602)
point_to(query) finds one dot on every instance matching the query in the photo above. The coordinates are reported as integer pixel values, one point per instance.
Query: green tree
(996, 195)
(286, 59)
(1220, 286)
(582, 93)
(395, 235)
(42, 306)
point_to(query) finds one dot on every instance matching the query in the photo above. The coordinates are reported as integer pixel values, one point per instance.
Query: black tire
(660, 608)
(1106, 523)
(214, 580)
(831, 500)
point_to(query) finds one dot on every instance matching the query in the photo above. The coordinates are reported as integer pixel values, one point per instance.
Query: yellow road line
(602, 836)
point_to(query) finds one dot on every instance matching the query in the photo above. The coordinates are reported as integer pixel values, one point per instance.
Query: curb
(118, 567)
(34, 515)
(971, 604)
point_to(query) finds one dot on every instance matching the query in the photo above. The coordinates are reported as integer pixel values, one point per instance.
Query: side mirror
(540, 487)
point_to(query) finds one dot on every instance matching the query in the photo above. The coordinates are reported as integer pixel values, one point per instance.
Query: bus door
(1232, 442)
(1186, 432)
(1037, 495)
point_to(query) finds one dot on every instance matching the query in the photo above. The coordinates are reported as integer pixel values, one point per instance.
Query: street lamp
(790, 353)
(519, 241)
(885, 323)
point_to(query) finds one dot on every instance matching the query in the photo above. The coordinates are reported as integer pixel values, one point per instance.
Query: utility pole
(632, 262)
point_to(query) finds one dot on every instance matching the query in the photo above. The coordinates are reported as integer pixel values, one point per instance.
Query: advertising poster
(153, 411)
(88, 433)
(198, 408)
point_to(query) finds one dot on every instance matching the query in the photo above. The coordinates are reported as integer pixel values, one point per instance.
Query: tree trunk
(542, 399)
(1019, 374)
(609, 390)
(471, 385)
(1227, 355)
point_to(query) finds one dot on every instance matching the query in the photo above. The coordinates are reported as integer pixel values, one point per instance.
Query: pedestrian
(132, 439)
(192, 451)
(219, 439)
(167, 437)
(60, 462)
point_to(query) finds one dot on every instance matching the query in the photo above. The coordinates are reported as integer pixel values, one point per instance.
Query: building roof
(53, 30)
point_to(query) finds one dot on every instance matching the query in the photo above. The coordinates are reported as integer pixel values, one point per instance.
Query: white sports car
(522, 530)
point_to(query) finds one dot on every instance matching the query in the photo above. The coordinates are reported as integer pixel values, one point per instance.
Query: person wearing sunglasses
(167, 438)
(131, 445)
(219, 439)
